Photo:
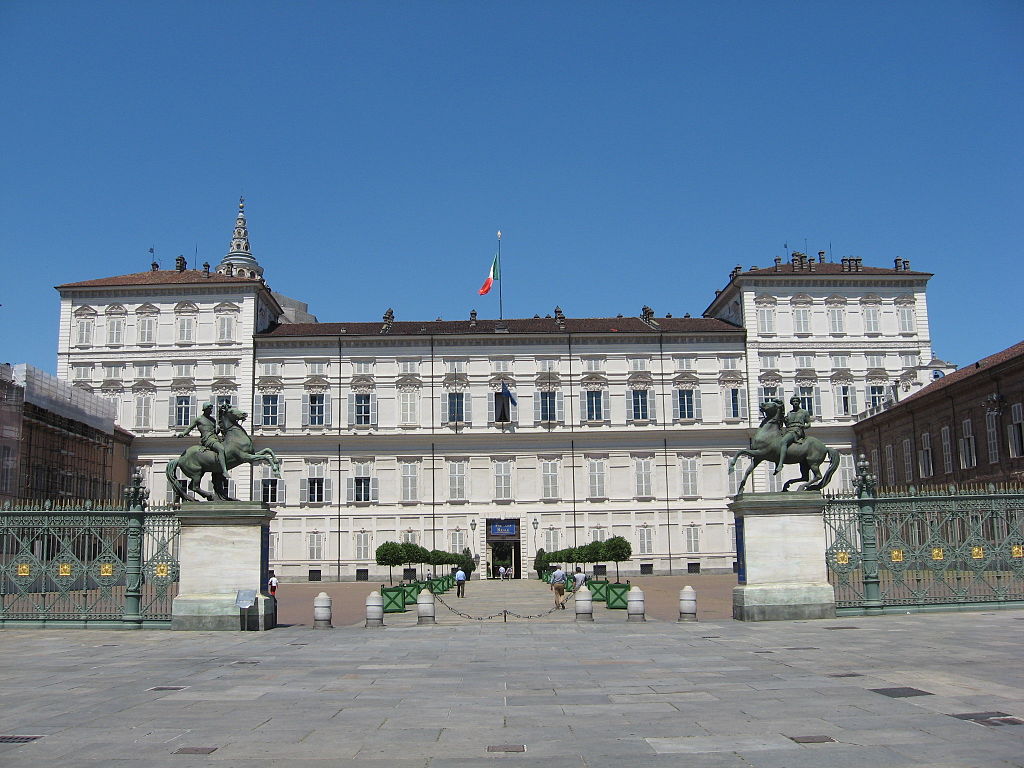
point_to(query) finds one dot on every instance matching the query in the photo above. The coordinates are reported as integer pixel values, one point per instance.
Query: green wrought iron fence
(925, 549)
(81, 563)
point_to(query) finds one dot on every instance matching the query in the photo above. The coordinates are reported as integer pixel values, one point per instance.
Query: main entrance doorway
(503, 547)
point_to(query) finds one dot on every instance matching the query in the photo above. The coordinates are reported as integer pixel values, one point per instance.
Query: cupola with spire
(239, 260)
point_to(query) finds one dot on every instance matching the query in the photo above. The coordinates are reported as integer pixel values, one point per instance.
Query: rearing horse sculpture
(195, 461)
(809, 454)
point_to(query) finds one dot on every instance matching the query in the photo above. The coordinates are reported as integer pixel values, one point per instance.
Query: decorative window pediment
(871, 298)
(83, 385)
(186, 308)
(765, 300)
(362, 384)
(593, 382)
(730, 378)
(548, 381)
(116, 309)
(877, 378)
(640, 380)
(770, 379)
(316, 381)
(144, 387)
(270, 385)
(456, 381)
(226, 306)
(224, 387)
(85, 312)
(835, 300)
(841, 377)
(904, 300)
(801, 299)
(146, 309)
(408, 382)
(806, 379)
(496, 381)
(685, 381)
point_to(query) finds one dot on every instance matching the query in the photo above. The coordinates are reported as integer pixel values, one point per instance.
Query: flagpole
(501, 307)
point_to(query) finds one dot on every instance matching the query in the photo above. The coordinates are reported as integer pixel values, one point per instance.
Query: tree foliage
(618, 550)
(390, 553)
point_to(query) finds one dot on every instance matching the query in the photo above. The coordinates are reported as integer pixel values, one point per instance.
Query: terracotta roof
(160, 277)
(513, 326)
(828, 268)
(961, 374)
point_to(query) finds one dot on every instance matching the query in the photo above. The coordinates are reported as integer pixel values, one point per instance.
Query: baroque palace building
(406, 431)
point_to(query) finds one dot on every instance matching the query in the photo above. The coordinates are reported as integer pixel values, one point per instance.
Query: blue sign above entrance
(504, 529)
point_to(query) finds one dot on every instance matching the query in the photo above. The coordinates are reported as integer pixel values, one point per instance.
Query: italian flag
(492, 275)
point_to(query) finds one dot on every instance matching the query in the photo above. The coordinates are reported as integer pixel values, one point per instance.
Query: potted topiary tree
(390, 553)
(618, 550)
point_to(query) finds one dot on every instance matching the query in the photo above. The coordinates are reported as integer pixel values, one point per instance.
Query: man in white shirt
(460, 583)
(272, 583)
(558, 580)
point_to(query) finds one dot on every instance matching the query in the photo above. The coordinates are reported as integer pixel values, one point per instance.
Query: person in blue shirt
(558, 579)
(460, 583)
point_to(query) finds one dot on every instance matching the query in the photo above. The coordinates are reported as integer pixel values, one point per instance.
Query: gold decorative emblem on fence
(978, 553)
(1017, 550)
(162, 570)
(843, 558)
(938, 553)
(24, 569)
(896, 555)
(106, 569)
(63, 569)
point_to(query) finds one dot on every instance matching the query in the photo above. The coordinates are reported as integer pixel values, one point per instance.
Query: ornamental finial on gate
(865, 481)
(136, 494)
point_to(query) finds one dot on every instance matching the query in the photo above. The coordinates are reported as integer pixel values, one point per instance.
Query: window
(317, 367)
(644, 471)
(183, 410)
(224, 369)
(547, 364)
(924, 461)
(908, 461)
(734, 474)
(362, 367)
(456, 412)
(457, 480)
(270, 488)
(992, 435)
(595, 476)
(363, 485)
(876, 395)
(503, 479)
(455, 366)
(186, 327)
(551, 539)
(112, 371)
(804, 361)
(83, 372)
(767, 392)
(409, 367)
(184, 370)
(547, 406)
(115, 331)
(687, 405)
(146, 325)
(644, 540)
(688, 469)
(684, 363)
(502, 366)
(692, 539)
(770, 360)
(362, 409)
(144, 370)
(1015, 431)
(410, 481)
(408, 537)
(946, 437)
(363, 545)
(270, 410)
(595, 405)
(875, 360)
(906, 318)
(735, 403)
(316, 545)
(840, 360)
(801, 320)
(846, 400)
(639, 405)
(593, 364)
(766, 320)
(317, 486)
(549, 479)
(317, 409)
(458, 541)
(598, 534)
(638, 363)
(143, 411)
(837, 319)
(407, 407)
(225, 327)
(85, 331)
(968, 457)
(271, 368)
(730, 363)
(872, 323)
(890, 465)
(909, 359)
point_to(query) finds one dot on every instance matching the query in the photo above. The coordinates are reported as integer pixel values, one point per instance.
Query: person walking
(272, 583)
(501, 573)
(460, 583)
(558, 579)
(578, 579)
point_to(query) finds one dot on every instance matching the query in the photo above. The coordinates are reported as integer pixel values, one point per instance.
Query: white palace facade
(391, 431)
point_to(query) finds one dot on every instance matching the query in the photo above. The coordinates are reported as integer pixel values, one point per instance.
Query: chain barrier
(504, 613)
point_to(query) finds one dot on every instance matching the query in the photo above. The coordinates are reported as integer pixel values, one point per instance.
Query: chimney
(778, 263)
(821, 257)
(860, 265)
(206, 268)
(154, 267)
(897, 264)
(846, 265)
(812, 265)
(230, 269)
(906, 265)
(472, 318)
(180, 264)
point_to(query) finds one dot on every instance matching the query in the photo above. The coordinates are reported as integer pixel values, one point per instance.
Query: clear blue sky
(631, 153)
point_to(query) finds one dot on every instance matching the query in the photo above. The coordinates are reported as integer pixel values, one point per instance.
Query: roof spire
(239, 256)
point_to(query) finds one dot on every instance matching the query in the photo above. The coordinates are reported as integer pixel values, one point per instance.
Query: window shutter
(514, 411)
(280, 411)
(467, 408)
(583, 405)
(232, 489)
(303, 491)
(327, 410)
(853, 400)
(491, 406)
(305, 409)
(606, 412)
(743, 402)
(374, 490)
(350, 489)
(696, 405)
(257, 416)
(327, 490)
(373, 410)
(281, 495)
(351, 409)
(559, 407)
(443, 408)
(652, 399)
(234, 400)
(192, 408)
(536, 407)
(675, 407)
(170, 415)
(817, 402)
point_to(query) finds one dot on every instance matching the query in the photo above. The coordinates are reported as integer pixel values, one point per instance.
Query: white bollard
(687, 604)
(322, 611)
(584, 604)
(635, 605)
(425, 607)
(374, 610)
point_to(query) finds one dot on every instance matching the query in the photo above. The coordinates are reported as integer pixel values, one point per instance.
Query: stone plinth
(223, 549)
(782, 559)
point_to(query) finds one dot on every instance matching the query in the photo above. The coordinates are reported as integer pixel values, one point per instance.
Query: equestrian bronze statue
(781, 438)
(224, 445)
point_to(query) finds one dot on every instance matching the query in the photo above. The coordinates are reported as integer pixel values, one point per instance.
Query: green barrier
(412, 591)
(434, 585)
(598, 589)
(394, 599)
(618, 596)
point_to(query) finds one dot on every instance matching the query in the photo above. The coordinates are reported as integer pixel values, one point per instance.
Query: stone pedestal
(781, 538)
(222, 549)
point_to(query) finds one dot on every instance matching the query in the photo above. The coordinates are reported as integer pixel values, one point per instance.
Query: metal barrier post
(687, 604)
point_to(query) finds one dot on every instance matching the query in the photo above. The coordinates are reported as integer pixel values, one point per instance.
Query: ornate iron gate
(74, 564)
(920, 550)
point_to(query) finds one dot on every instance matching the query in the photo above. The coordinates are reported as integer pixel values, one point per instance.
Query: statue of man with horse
(781, 438)
(224, 445)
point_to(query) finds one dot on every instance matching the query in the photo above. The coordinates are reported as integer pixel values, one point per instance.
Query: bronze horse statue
(809, 454)
(195, 461)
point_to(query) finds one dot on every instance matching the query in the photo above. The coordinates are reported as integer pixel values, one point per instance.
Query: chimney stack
(180, 264)
(821, 257)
